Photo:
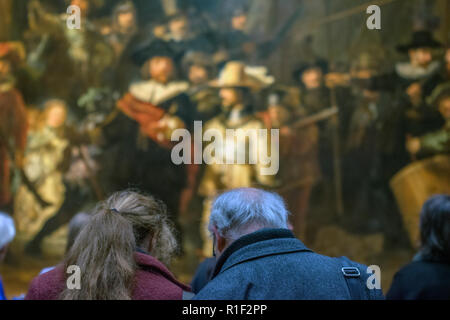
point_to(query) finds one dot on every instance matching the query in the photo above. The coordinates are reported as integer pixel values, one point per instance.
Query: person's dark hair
(435, 229)
(104, 250)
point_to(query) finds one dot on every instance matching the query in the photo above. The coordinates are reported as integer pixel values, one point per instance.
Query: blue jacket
(2, 292)
(271, 264)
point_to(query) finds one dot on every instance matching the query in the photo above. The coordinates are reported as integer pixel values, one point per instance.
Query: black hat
(420, 39)
(156, 48)
(318, 63)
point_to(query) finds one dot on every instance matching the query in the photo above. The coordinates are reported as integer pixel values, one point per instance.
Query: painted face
(56, 115)
(179, 27)
(160, 31)
(444, 108)
(312, 78)
(126, 20)
(230, 97)
(239, 22)
(198, 74)
(161, 69)
(421, 57)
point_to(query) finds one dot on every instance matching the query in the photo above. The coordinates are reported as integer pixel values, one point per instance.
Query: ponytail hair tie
(114, 210)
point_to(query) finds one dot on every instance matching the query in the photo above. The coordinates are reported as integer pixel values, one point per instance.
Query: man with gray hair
(259, 258)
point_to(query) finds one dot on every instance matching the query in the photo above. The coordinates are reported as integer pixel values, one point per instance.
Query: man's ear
(221, 242)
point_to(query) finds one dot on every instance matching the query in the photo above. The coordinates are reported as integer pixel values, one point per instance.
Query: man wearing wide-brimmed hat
(421, 63)
(13, 118)
(235, 84)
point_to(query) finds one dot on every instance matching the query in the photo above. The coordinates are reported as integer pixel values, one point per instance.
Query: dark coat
(203, 274)
(271, 264)
(153, 282)
(131, 159)
(421, 280)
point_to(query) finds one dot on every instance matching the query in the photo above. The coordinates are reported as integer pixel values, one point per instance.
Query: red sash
(147, 115)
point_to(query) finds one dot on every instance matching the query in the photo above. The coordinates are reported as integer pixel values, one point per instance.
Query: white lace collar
(408, 71)
(157, 93)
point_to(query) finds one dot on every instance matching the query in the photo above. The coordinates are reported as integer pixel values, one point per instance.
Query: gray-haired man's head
(242, 211)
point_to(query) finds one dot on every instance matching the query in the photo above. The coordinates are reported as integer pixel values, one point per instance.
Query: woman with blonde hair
(120, 255)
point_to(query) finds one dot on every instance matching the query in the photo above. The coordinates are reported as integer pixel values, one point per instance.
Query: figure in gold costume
(235, 86)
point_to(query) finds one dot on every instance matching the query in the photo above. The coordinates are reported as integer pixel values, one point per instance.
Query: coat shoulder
(47, 286)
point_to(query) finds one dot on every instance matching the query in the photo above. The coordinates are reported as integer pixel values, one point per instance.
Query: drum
(414, 184)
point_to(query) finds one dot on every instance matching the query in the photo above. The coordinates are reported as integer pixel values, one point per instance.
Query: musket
(317, 117)
(44, 204)
(304, 122)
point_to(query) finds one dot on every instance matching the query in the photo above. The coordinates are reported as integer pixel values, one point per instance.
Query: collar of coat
(265, 242)
(148, 263)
